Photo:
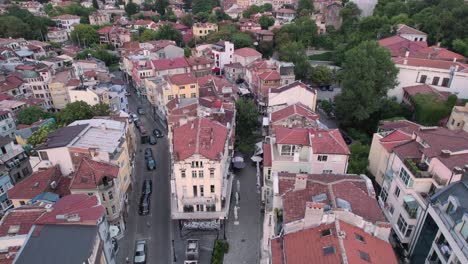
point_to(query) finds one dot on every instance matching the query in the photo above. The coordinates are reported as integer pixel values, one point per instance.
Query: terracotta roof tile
(328, 142)
(437, 64)
(269, 76)
(292, 85)
(266, 155)
(296, 109)
(167, 64)
(37, 183)
(292, 136)
(398, 46)
(426, 89)
(404, 29)
(437, 53)
(395, 138)
(247, 52)
(90, 174)
(200, 136)
(182, 79)
(24, 217)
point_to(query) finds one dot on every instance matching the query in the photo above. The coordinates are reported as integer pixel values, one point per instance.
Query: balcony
(209, 200)
(106, 186)
(411, 206)
(444, 247)
(418, 169)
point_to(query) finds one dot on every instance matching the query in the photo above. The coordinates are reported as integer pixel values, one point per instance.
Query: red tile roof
(90, 174)
(86, 207)
(167, 64)
(235, 65)
(247, 52)
(296, 109)
(193, 61)
(426, 89)
(141, 22)
(37, 183)
(404, 29)
(291, 86)
(351, 188)
(24, 217)
(105, 30)
(66, 17)
(426, 63)
(307, 246)
(292, 136)
(269, 76)
(266, 155)
(398, 46)
(395, 138)
(182, 79)
(200, 136)
(437, 53)
(404, 125)
(328, 142)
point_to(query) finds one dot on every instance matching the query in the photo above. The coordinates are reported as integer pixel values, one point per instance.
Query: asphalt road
(155, 228)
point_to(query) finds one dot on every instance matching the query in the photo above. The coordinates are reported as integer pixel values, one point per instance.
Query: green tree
(32, 114)
(131, 8)
(147, 35)
(200, 6)
(350, 17)
(187, 20)
(295, 52)
(461, 46)
(368, 73)
(241, 40)
(13, 27)
(101, 109)
(358, 160)
(40, 135)
(265, 48)
(187, 52)
(84, 35)
(321, 75)
(168, 31)
(161, 6)
(246, 125)
(75, 111)
(95, 4)
(307, 5)
(266, 22)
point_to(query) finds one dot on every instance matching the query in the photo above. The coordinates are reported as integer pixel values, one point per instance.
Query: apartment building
(442, 232)
(245, 56)
(303, 150)
(327, 209)
(285, 15)
(200, 67)
(201, 151)
(13, 161)
(66, 21)
(458, 118)
(99, 18)
(115, 36)
(201, 30)
(7, 124)
(222, 53)
(290, 94)
(77, 216)
(57, 35)
(416, 168)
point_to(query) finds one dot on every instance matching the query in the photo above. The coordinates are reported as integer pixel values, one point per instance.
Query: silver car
(140, 252)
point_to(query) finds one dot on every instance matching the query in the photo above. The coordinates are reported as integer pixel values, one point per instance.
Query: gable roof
(398, 46)
(167, 64)
(426, 89)
(328, 142)
(247, 52)
(404, 29)
(90, 174)
(182, 79)
(200, 136)
(269, 76)
(395, 138)
(38, 183)
(437, 53)
(292, 136)
(295, 109)
(296, 84)
(437, 64)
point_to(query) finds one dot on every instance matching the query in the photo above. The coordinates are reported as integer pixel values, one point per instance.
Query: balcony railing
(445, 250)
(207, 200)
(411, 208)
(448, 222)
(419, 170)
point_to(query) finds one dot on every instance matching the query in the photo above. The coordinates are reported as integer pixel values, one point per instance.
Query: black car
(152, 140)
(347, 139)
(151, 164)
(157, 133)
(148, 153)
(147, 187)
(144, 205)
(325, 88)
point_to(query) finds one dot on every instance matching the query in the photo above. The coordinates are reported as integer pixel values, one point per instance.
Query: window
(287, 150)
(445, 82)
(423, 79)
(192, 86)
(170, 97)
(182, 173)
(103, 197)
(43, 155)
(181, 87)
(406, 178)
(212, 173)
(404, 228)
(111, 195)
(391, 209)
(435, 81)
(212, 188)
(182, 96)
(364, 256)
(194, 174)
(195, 191)
(397, 191)
(383, 195)
(328, 250)
(22, 203)
(113, 209)
(322, 158)
(464, 230)
(200, 174)
(450, 208)
(327, 171)
(202, 190)
(193, 95)
(269, 174)
(326, 232)
(359, 237)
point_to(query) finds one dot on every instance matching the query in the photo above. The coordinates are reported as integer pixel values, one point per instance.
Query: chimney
(300, 182)
(313, 214)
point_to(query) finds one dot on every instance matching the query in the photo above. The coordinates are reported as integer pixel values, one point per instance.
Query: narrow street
(155, 228)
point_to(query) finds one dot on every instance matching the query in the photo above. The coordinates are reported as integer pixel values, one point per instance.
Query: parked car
(347, 139)
(144, 205)
(151, 164)
(148, 153)
(152, 140)
(325, 88)
(140, 252)
(147, 187)
(157, 133)
(140, 111)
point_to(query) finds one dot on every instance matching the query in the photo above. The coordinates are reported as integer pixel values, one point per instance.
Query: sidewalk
(244, 238)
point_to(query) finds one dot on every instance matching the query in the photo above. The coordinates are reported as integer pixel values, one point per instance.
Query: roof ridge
(337, 141)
